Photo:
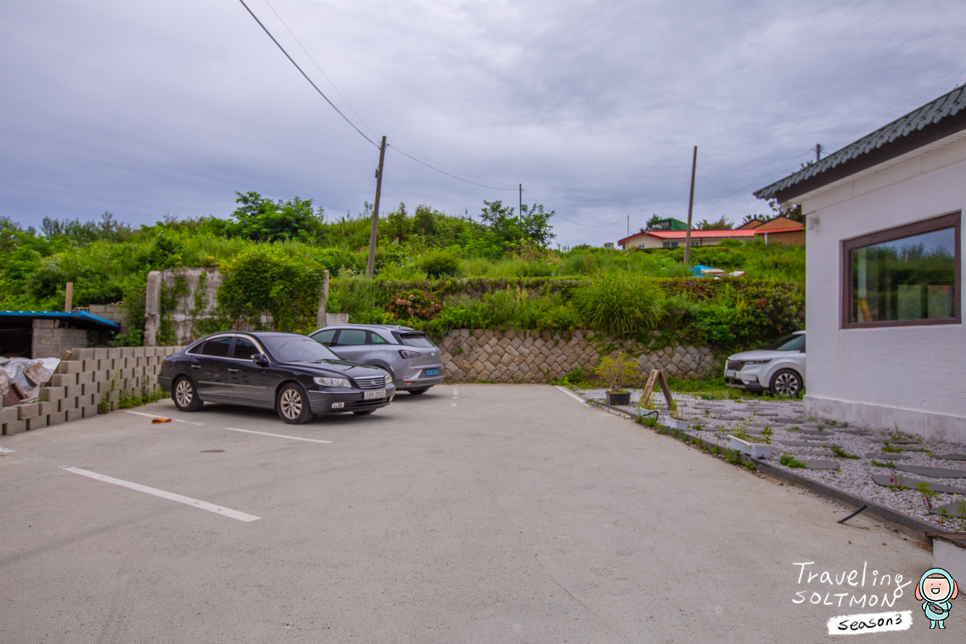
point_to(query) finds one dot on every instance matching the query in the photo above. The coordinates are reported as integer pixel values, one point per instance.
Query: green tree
(262, 219)
(650, 222)
(720, 224)
(531, 226)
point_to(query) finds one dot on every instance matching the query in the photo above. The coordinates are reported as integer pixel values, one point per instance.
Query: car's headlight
(331, 382)
(748, 362)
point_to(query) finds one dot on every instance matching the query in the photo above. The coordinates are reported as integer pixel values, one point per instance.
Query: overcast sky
(159, 107)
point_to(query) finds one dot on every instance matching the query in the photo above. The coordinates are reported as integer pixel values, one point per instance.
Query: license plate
(370, 395)
(731, 373)
(432, 372)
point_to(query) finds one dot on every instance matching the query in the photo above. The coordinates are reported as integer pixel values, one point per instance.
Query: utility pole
(687, 234)
(521, 200)
(818, 152)
(375, 211)
(628, 231)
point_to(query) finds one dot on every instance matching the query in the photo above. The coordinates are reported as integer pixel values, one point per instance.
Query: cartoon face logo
(936, 589)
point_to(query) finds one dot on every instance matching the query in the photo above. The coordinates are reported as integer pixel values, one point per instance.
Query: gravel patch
(804, 439)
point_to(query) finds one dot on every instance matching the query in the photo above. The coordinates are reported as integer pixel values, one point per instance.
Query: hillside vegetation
(432, 270)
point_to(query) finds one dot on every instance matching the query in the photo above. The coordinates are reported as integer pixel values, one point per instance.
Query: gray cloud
(169, 107)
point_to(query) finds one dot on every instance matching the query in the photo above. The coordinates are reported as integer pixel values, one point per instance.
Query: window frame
(950, 220)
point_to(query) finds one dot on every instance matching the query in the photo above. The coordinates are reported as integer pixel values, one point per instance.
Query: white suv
(778, 368)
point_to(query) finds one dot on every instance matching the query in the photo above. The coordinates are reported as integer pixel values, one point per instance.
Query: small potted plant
(617, 372)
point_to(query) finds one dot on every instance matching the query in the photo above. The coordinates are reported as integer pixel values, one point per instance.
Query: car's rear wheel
(786, 382)
(292, 404)
(185, 395)
(417, 392)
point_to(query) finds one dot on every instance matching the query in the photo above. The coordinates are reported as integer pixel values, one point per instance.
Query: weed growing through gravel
(927, 495)
(790, 461)
(890, 464)
(841, 453)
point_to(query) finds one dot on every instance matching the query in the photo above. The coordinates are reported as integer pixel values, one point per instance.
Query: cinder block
(63, 379)
(56, 418)
(127, 352)
(44, 324)
(30, 410)
(9, 415)
(37, 422)
(71, 366)
(139, 352)
(114, 354)
(90, 411)
(74, 414)
(102, 376)
(91, 365)
(67, 404)
(105, 364)
(53, 393)
(100, 353)
(140, 362)
(90, 388)
(83, 354)
(14, 427)
(73, 391)
(47, 408)
(85, 377)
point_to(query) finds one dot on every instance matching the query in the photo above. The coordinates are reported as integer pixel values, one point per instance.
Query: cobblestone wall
(539, 356)
(92, 376)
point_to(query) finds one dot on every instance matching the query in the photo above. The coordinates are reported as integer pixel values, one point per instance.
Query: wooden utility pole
(68, 297)
(687, 234)
(521, 201)
(370, 265)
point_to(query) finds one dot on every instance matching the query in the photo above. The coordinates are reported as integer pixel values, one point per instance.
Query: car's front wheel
(292, 404)
(786, 382)
(185, 395)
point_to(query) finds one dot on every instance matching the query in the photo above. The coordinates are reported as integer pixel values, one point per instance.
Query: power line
(427, 160)
(576, 223)
(446, 173)
(321, 93)
(295, 38)
(703, 208)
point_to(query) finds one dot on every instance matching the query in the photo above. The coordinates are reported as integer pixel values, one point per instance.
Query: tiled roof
(933, 121)
(695, 234)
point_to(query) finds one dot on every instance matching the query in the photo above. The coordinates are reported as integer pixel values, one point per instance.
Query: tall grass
(619, 302)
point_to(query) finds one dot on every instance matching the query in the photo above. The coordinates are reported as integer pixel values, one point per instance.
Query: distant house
(886, 341)
(675, 238)
(754, 223)
(781, 230)
(668, 224)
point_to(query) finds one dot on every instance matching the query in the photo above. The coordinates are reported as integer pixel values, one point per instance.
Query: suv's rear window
(416, 340)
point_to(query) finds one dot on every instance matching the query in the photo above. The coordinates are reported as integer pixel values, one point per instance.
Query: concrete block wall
(539, 356)
(51, 338)
(81, 384)
(113, 312)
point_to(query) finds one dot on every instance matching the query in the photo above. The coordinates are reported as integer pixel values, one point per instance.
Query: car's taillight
(163, 361)
(406, 353)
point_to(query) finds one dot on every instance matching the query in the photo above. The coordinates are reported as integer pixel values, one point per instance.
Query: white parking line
(177, 420)
(291, 438)
(572, 395)
(235, 429)
(195, 503)
(4, 450)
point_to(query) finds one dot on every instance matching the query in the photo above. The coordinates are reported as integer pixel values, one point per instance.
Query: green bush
(619, 303)
(439, 264)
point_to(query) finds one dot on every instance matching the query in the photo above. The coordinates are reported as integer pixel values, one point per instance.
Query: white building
(886, 342)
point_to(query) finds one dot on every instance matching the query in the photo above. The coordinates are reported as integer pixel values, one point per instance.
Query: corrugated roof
(82, 319)
(933, 121)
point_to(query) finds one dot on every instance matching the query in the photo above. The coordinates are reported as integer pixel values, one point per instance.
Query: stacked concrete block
(52, 337)
(82, 383)
(539, 356)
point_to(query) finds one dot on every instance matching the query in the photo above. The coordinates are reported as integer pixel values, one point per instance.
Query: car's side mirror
(260, 359)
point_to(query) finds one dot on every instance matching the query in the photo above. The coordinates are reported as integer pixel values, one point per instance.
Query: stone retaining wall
(539, 356)
(90, 377)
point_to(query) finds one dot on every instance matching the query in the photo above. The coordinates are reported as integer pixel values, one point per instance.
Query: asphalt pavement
(473, 513)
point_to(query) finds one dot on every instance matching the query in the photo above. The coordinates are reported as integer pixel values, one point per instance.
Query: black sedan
(291, 373)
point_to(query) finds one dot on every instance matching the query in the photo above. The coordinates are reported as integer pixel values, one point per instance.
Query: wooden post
(657, 377)
(687, 234)
(375, 211)
(68, 297)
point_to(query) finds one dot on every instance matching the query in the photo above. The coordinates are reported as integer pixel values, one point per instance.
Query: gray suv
(410, 357)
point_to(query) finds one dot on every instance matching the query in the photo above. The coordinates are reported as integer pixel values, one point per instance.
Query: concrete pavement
(477, 513)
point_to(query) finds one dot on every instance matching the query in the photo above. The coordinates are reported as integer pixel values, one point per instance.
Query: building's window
(670, 244)
(902, 276)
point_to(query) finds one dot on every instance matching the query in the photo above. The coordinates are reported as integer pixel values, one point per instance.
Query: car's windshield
(794, 342)
(293, 348)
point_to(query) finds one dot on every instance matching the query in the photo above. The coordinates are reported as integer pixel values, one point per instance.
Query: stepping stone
(800, 443)
(856, 432)
(950, 457)
(789, 420)
(886, 480)
(933, 472)
(766, 413)
(728, 417)
(952, 510)
(882, 456)
(904, 441)
(813, 451)
(820, 464)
